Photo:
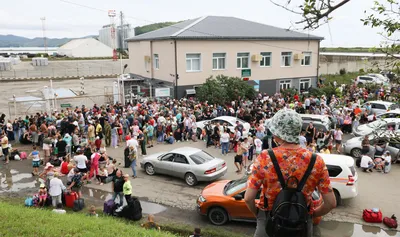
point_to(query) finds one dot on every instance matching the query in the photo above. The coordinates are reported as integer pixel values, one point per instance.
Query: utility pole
(43, 19)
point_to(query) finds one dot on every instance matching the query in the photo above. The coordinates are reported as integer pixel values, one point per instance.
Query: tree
(313, 12)
(148, 28)
(223, 89)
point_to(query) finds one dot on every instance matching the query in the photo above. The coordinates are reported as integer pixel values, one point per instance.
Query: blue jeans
(160, 138)
(133, 166)
(120, 197)
(225, 147)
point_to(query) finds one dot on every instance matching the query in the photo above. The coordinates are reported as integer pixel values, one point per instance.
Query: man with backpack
(287, 175)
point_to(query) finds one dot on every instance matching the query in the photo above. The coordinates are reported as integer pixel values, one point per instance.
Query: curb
(8, 79)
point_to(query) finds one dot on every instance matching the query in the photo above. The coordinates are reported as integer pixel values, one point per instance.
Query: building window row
(193, 60)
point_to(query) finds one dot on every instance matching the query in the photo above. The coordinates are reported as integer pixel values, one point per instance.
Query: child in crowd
(127, 188)
(101, 177)
(59, 209)
(97, 143)
(92, 211)
(112, 168)
(150, 224)
(42, 195)
(35, 161)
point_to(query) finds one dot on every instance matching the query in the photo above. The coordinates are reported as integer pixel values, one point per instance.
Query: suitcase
(109, 207)
(79, 204)
(70, 199)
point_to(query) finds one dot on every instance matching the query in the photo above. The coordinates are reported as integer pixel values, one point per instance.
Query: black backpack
(289, 215)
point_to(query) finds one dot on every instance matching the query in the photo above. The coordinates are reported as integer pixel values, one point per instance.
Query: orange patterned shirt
(293, 162)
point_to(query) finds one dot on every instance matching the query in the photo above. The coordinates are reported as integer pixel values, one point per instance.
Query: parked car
(231, 121)
(390, 114)
(380, 124)
(222, 201)
(319, 121)
(353, 146)
(191, 164)
(379, 107)
(379, 76)
(342, 173)
(368, 80)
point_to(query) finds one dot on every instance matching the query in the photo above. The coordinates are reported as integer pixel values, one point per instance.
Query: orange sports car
(222, 201)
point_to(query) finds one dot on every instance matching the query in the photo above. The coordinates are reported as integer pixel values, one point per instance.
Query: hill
(19, 41)
(147, 28)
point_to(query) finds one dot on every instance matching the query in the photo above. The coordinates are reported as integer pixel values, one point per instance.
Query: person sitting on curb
(196, 233)
(150, 224)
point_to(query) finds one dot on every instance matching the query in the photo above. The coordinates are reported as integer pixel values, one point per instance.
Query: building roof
(223, 28)
(357, 54)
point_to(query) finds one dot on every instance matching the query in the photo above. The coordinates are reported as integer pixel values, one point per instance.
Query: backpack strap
(308, 172)
(277, 168)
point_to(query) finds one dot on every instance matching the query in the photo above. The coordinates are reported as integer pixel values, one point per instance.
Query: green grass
(23, 221)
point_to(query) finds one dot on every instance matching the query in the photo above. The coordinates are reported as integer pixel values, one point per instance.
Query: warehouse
(85, 48)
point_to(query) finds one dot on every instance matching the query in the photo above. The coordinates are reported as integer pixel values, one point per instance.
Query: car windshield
(377, 124)
(394, 106)
(201, 157)
(236, 185)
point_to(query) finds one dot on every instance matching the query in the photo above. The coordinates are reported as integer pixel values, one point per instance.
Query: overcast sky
(22, 17)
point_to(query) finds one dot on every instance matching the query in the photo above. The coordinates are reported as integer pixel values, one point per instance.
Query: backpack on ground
(29, 202)
(79, 204)
(289, 215)
(372, 216)
(390, 222)
(109, 207)
(132, 211)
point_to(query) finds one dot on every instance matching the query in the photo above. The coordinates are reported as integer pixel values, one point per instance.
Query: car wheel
(338, 198)
(218, 216)
(356, 152)
(190, 179)
(149, 168)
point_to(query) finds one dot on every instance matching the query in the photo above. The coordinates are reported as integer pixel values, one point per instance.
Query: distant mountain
(18, 41)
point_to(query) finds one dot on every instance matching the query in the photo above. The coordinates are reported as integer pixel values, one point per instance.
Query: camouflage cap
(286, 124)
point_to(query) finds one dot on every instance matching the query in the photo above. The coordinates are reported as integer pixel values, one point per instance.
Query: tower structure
(112, 14)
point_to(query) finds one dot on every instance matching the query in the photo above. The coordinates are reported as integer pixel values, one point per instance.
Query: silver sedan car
(353, 146)
(190, 164)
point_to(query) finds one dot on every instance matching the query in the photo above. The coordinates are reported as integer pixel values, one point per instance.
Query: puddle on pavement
(147, 207)
(13, 181)
(343, 229)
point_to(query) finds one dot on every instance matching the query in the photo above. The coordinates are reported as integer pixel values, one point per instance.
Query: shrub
(361, 70)
(342, 71)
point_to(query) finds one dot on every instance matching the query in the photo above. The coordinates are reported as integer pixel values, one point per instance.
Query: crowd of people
(77, 139)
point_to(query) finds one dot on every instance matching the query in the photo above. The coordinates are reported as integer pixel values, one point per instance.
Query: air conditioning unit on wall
(256, 58)
(298, 56)
(147, 59)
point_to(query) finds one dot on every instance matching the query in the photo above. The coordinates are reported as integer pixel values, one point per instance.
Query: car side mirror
(238, 197)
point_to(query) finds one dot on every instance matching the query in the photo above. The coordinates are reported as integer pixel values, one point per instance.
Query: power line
(191, 30)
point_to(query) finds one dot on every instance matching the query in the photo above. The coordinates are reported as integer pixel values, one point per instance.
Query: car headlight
(202, 199)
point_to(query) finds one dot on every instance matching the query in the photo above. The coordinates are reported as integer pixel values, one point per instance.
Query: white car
(391, 114)
(342, 174)
(380, 124)
(231, 121)
(379, 76)
(369, 80)
(379, 107)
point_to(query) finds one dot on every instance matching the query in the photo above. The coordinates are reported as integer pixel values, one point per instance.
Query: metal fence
(59, 72)
(30, 107)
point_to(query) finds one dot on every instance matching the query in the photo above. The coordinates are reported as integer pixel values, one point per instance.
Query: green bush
(361, 71)
(342, 71)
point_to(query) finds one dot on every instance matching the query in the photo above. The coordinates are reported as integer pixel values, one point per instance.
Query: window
(283, 85)
(266, 60)
(334, 170)
(305, 84)
(156, 62)
(306, 61)
(243, 60)
(168, 157)
(218, 61)
(180, 159)
(286, 59)
(201, 157)
(193, 62)
(378, 106)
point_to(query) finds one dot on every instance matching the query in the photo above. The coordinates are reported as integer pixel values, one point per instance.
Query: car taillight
(210, 171)
(223, 165)
(351, 180)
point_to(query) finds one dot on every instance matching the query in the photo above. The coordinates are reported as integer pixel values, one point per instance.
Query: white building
(121, 34)
(85, 48)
